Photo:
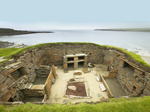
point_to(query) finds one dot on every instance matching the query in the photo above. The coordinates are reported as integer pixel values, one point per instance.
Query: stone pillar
(85, 62)
(75, 62)
(65, 68)
(54, 72)
(75, 58)
(75, 65)
(65, 65)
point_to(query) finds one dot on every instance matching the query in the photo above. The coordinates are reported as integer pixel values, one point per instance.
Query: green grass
(7, 51)
(114, 105)
(26, 49)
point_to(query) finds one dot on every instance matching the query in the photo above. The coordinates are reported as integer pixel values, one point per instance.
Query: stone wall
(134, 80)
(54, 54)
(25, 65)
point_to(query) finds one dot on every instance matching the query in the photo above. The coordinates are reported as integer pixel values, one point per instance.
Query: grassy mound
(113, 105)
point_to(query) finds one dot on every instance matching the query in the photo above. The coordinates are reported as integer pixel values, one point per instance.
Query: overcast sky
(75, 14)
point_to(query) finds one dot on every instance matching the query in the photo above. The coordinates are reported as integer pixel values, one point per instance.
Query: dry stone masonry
(17, 75)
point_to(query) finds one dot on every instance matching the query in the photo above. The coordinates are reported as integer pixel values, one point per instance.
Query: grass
(7, 51)
(114, 105)
(134, 56)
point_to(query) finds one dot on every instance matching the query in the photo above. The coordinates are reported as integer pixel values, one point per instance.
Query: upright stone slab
(54, 72)
(75, 65)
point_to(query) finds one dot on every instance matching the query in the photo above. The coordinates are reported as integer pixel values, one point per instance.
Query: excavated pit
(32, 77)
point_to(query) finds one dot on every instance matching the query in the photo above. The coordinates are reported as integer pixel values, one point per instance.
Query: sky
(73, 14)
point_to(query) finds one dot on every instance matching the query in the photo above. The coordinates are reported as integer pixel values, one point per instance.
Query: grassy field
(113, 105)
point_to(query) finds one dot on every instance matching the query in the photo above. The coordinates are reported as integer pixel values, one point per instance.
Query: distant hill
(7, 32)
(126, 29)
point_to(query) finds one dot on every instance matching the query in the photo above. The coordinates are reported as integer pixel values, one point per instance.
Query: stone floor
(115, 88)
(58, 89)
(40, 80)
(33, 99)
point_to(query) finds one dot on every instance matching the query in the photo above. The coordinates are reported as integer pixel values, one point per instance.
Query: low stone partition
(51, 79)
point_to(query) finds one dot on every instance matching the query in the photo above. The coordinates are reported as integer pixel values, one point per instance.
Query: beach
(146, 59)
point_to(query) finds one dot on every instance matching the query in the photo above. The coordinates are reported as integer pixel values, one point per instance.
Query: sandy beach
(146, 59)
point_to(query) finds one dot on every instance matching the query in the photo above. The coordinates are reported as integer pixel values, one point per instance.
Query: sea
(137, 42)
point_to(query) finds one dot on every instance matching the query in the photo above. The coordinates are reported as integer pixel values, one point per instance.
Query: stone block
(65, 65)
(105, 67)
(65, 70)
(77, 73)
(121, 63)
(75, 65)
(76, 59)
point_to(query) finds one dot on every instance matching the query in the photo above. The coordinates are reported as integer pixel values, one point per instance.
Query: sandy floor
(58, 89)
(146, 59)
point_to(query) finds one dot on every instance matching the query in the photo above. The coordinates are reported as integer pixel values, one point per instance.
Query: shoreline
(22, 33)
(126, 30)
(6, 44)
(9, 32)
(146, 59)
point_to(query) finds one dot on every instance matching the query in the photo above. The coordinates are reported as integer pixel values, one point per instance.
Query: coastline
(6, 44)
(146, 59)
(9, 32)
(22, 33)
(126, 29)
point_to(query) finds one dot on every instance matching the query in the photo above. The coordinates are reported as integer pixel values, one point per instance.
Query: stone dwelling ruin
(45, 74)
